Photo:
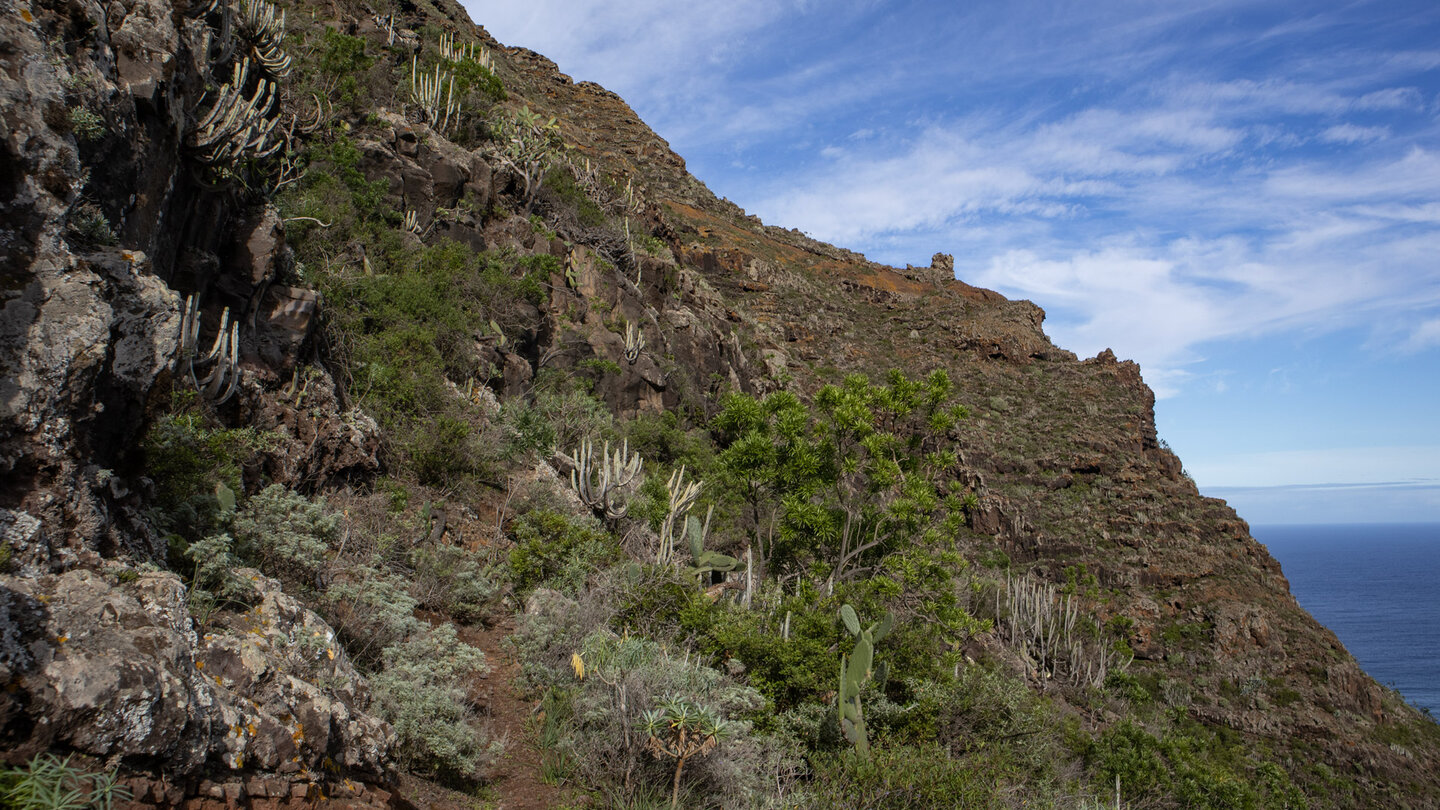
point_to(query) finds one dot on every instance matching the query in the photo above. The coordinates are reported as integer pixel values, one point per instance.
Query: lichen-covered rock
(117, 669)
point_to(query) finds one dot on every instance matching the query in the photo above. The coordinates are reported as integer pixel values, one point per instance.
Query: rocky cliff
(241, 246)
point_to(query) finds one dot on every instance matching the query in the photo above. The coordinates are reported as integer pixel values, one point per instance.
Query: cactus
(220, 384)
(435, 95)
(704, 559)
(855, 670)
(572, 269)
(599, 483)
(682, 497)
(237, 127)
(634, 343)
(479, 54)
(264, 26)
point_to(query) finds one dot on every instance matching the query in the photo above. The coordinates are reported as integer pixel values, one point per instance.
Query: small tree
(680, 730)
(527, 144)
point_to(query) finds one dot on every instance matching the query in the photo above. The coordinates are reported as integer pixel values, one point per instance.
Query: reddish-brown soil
(515, 782)
(515, 778)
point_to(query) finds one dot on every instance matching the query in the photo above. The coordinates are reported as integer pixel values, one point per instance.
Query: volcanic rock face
(102, 657)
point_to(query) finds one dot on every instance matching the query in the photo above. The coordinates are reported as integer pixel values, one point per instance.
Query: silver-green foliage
(455, 581)
(626, 680)
(286, 534)
(422, 693)
(856, 669)
(371, 608)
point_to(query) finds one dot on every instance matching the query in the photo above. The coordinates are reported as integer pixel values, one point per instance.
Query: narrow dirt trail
(515, 778)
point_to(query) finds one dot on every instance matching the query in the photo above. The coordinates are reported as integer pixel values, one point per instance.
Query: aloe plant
(856, 669)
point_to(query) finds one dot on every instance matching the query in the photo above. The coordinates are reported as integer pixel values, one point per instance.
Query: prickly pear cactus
(855, 670)
(705, 560)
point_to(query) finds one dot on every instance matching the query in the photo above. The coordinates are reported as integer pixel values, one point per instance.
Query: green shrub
(51, 783)
(471, 75)
(86, 125)
(1188, 766)
(626, 677)
(656, 601)
(558, 552)
(371, 609)
(787, 671)
(422, 692)
(901, 777)
(560, 186)
(191, 459)
(454, 581)
(286, 535)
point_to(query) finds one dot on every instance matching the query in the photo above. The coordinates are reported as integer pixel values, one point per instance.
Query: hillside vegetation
(390, 421)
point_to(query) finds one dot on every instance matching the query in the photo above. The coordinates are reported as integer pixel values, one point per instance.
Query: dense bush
(194, 462)
(626, 676)
(286, 535)
(458, 582)
(422, 692)
(911, 777)
(559, 552)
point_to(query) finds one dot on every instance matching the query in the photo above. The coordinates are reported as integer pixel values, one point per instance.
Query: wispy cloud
(1350, 133)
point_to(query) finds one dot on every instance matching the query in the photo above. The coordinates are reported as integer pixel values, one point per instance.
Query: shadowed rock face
(104, 237)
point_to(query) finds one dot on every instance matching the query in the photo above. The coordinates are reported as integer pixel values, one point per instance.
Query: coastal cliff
(312, 313)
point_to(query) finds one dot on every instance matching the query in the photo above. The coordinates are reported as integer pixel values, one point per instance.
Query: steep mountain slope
(425, 325)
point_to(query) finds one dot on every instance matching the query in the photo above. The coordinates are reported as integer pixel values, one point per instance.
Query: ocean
(1378, 587)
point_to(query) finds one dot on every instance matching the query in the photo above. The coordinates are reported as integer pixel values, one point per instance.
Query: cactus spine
(855, 670)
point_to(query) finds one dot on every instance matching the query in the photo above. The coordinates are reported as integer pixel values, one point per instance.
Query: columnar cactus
(682, 497)
(857, 668)
(435, 94)
(634, 342)
(220, 383)
(237, 126)
(598, 481)
(264, 26)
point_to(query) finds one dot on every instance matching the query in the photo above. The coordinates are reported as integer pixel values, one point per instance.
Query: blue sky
(1244, 197)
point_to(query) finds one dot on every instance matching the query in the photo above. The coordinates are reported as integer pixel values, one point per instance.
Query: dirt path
(516, 777)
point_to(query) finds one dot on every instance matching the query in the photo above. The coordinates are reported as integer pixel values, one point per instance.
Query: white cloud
(1350, 133)
(1424, 336)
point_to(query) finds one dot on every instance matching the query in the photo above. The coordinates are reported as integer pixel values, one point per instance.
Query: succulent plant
(634, 342)
(705, 560)
(598, 481)
(682, 496)
(855, 670)
(680, 729)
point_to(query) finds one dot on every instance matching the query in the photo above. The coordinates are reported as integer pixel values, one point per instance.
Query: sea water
(1378, 587)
